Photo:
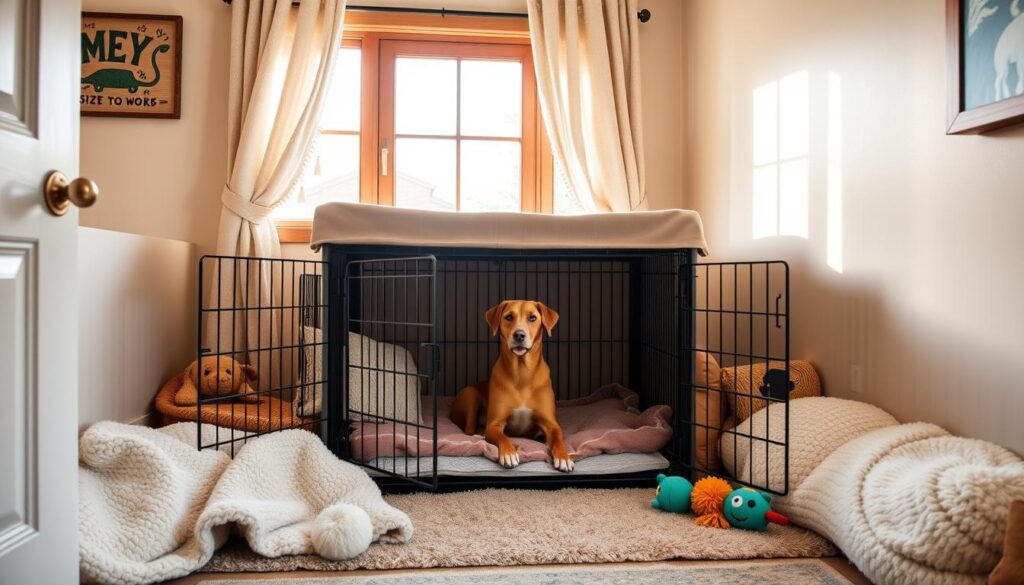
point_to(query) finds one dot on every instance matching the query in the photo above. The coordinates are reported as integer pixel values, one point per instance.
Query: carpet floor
(790, 572)
(526, 527)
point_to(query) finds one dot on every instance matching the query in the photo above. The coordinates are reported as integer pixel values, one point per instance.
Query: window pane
(492, 96)
(333, 176)
(425, 96)
(342, 109)
(491, 174)
(425, 173)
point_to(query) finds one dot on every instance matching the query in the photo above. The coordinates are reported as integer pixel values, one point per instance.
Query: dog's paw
(509, 460)
(563, 464)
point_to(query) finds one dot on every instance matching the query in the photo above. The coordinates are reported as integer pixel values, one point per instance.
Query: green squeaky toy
(673, 494)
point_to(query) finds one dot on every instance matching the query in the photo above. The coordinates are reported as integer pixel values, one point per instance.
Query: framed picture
(131, 65)
(985, 52)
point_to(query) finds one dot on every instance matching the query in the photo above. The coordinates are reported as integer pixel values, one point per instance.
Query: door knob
(61, 193)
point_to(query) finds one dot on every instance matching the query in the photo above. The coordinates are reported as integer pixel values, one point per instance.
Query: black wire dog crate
(371, 338)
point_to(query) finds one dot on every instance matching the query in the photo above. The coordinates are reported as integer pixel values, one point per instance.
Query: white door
(39, 71)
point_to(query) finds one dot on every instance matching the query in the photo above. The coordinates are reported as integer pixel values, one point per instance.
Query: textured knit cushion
(383, 385)
(1010, 570)
(742, 381)
(709, 411)
(817, 427)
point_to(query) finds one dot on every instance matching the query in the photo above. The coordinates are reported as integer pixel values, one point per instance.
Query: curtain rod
(643, 15)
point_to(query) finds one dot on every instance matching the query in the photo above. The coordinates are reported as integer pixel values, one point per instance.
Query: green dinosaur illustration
(122, 78)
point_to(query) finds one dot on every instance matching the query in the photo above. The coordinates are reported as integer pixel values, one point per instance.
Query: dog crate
(367, 344)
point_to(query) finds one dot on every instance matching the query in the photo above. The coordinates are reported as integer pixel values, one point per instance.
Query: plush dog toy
(716, 504)
(217, 376)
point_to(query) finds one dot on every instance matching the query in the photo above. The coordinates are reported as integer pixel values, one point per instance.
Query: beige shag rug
(525, 527)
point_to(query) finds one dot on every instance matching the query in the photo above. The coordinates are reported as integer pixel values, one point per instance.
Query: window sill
(294, 231)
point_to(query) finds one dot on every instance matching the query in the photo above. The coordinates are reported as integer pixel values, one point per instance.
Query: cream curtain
(586, 53)
(282, 59)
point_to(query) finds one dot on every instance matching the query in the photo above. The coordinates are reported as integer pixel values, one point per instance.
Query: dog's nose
(519, 335)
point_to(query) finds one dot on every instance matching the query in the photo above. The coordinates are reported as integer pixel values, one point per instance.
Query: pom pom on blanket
(341, 532)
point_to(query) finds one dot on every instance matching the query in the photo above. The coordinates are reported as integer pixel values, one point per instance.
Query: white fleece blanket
(906, 503)
(152, 507)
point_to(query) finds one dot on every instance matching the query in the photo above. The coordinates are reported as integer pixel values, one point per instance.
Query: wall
(136, 321)
(163, 177)
(914, 305)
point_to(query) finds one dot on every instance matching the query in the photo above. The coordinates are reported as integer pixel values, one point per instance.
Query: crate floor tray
(269, 414)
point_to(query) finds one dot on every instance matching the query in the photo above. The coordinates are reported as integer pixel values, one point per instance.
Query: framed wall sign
(131, 65)
(985, 53)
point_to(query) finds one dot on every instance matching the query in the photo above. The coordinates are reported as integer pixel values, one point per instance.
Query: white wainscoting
(137, 321)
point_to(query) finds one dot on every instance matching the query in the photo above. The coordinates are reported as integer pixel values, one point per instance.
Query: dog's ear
(493, 316)
(250, 373)
(188, 394)
(548, 317)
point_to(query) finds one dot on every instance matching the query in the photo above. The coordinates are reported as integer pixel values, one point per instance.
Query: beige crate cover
(356, 223)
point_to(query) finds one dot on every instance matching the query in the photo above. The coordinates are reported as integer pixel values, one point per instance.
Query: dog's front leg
(495, 435)
(556, 443)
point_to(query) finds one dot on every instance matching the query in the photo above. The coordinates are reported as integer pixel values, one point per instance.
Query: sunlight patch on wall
(781, 143)
(834, 207)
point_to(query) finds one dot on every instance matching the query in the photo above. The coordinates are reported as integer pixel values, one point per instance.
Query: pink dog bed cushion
(607, 421)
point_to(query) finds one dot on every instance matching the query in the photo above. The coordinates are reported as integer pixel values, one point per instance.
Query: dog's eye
(206, 372)
(532, 318)
(508, 317)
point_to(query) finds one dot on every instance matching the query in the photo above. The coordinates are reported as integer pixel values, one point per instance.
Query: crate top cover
(357, 223)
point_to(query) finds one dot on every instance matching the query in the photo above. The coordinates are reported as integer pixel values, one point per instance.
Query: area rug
(531, 527)
(802, 572)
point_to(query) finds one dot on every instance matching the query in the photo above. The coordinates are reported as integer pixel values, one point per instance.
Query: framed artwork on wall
(985, 52)
(131, 65)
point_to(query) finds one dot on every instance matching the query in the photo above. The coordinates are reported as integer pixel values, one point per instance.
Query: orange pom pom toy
(707, 499)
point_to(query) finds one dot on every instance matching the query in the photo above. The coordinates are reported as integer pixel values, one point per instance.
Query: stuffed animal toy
(751, 510)
(673, 494)
(716, 504)
(217, 376)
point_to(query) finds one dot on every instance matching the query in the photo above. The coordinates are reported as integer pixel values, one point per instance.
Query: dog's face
(220, 375)
(520, 323)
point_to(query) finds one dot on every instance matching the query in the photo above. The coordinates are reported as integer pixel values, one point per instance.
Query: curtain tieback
(243, 208)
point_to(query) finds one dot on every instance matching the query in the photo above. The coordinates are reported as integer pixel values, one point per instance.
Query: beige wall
(925, 317)
(137, 321)
(163, 177)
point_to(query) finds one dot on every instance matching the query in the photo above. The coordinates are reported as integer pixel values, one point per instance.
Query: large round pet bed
(906, 503)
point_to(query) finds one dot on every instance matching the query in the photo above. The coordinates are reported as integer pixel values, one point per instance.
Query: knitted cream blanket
(152, 507)
(907, 504)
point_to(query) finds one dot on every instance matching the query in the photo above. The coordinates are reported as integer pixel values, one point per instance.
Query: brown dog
(218, 376)
(517, 400)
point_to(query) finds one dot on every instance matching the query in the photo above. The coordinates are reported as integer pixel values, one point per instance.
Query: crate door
(736, 334)
(390, 365)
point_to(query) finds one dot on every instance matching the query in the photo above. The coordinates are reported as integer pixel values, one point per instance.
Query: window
(430, 113)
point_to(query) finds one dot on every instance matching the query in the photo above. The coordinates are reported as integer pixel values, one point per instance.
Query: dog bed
(607, 421)
(605, 464)
(269, 414)
(907, 503)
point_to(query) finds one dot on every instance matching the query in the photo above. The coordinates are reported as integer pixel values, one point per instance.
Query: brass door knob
(61, 193)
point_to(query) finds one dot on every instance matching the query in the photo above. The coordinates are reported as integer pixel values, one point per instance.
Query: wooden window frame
(378, 36)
